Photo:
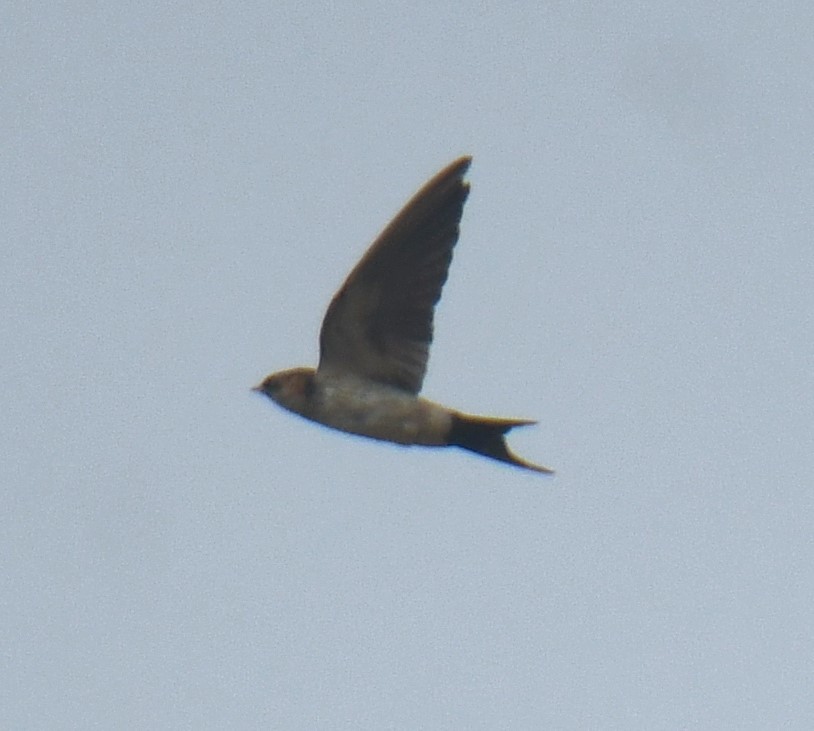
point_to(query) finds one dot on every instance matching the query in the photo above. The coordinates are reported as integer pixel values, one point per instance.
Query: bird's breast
(380, 412)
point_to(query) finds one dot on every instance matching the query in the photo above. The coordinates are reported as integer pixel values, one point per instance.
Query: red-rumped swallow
(376, 335)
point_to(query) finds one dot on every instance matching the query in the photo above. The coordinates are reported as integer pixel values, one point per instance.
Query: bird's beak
(258, 388)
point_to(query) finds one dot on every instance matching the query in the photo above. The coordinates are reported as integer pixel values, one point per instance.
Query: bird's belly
(382, 413)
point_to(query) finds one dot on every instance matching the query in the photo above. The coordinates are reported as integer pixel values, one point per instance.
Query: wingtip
(457, 168)
(463, 163)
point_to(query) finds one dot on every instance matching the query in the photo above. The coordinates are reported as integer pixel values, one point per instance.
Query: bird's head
(291, 389)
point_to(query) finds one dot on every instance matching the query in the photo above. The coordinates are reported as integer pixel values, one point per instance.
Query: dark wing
(379, 324)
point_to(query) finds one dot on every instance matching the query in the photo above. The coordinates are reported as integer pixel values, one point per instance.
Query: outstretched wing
(379, 324)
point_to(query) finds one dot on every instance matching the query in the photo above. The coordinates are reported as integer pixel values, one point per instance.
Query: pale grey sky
(184, 188)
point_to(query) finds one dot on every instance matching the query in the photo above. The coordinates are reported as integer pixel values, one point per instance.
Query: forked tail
(486, 436)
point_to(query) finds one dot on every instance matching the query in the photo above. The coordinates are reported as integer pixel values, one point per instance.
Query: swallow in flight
(376, 335)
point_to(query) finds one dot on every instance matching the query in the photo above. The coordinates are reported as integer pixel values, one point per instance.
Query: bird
(375, 338)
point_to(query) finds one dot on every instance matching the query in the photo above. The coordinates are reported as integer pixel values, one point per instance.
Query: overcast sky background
(183, 189)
